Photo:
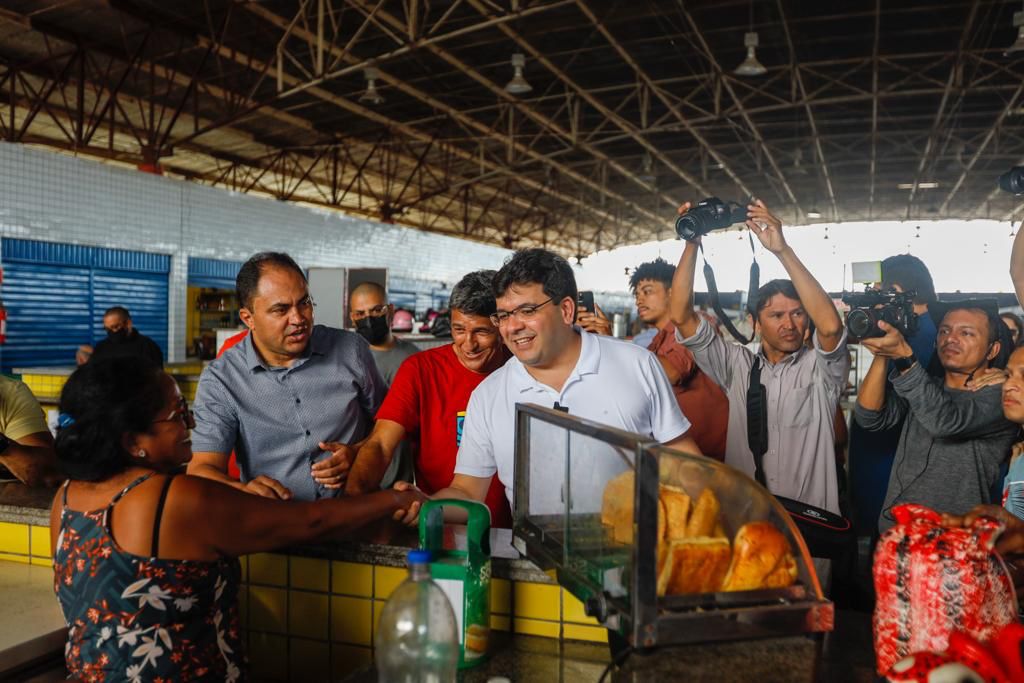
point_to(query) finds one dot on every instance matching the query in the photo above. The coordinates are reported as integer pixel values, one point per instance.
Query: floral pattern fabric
(133, 618)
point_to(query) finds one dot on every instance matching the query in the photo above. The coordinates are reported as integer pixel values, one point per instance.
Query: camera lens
(690, 225)
(1013, 180)
(862, 323)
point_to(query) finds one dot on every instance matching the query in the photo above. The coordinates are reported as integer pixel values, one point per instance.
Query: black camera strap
(757, 420)
(752, 286)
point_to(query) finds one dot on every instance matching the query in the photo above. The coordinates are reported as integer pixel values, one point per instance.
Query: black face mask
(373, 328)
(119, 336)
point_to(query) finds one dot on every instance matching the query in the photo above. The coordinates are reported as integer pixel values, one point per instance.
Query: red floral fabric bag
(932, 580)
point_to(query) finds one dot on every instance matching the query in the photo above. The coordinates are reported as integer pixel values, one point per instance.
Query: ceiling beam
(810, 113)
(466, 120)
(953, 80)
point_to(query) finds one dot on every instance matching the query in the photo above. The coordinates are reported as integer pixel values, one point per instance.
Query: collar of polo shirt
(254, 362)
(588, 364)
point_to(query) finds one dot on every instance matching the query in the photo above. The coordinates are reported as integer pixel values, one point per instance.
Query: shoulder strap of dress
(129, 487)
(64, 495)
(160, 513)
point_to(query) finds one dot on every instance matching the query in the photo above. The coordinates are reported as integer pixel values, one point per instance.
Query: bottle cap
(419, 557)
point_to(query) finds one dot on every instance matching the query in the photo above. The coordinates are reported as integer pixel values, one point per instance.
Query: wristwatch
(904, 364)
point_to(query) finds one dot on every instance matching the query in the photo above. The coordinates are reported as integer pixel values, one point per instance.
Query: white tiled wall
(54, 197)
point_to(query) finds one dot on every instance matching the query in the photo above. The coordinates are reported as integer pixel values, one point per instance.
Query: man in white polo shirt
(556, 364)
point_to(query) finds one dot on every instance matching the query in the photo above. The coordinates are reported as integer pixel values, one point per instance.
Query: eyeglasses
(522, 313)
(181, 413)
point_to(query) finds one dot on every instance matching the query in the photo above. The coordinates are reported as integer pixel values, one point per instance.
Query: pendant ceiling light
(750, 66)
(371, 95)
(518, 84)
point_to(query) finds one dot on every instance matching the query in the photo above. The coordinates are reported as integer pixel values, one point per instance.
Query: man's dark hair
(106, 399)
(658, 270)
(247, 281)
(910, 273)
(537, 266)
(770, 289)
(472, 295)
(119, 310)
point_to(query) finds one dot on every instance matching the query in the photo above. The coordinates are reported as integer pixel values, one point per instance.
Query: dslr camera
(709, 214)
(869, 307)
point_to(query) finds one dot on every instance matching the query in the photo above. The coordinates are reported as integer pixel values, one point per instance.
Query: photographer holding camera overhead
(801, 386)
(954, 438)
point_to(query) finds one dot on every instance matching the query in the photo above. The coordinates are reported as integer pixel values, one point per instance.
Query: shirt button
(298, 400)
(307, 432)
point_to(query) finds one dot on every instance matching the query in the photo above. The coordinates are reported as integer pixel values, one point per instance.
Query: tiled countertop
(386, 544)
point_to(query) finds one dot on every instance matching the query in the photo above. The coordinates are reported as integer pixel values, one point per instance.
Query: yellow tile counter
(46, 383)
(310, 613)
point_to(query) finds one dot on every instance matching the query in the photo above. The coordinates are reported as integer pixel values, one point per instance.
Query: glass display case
(660, 546)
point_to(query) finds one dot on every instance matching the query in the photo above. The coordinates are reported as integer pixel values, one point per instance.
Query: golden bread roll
(705, 515)
(694, 565)
(783, 575)
(719, 531)
(677, 511)
(759, 549)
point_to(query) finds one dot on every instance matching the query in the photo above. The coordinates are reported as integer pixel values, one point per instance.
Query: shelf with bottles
(217, 302)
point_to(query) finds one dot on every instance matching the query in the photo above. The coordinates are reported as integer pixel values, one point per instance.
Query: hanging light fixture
(371, 95)
(647, 169)
(518, 84)
(1018, 23)
(814, 213)
(750, 66)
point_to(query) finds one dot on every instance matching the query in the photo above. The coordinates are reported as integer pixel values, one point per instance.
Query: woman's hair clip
(64, 421)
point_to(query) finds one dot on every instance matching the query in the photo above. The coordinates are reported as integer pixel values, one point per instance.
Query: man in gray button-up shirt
(803, 385)
(290, 398)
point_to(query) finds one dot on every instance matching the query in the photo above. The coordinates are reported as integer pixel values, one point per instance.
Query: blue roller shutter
(207, 272)
(56, 294)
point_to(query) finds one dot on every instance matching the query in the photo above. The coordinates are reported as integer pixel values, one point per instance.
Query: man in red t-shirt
(429, 395)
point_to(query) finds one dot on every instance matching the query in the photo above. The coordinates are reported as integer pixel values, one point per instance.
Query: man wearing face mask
(124, 340)
(370, 312)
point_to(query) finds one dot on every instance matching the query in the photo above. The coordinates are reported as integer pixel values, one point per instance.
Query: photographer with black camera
(801, 386)
(906, 292)
(954, 439)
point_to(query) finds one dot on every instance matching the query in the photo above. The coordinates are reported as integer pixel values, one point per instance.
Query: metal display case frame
(640, 616)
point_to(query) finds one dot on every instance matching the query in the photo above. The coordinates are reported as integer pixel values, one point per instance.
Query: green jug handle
(478, 526)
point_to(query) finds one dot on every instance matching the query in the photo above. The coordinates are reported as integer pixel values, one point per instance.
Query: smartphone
(585, 300)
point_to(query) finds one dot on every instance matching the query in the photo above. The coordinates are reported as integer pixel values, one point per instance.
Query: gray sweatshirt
(952, 444)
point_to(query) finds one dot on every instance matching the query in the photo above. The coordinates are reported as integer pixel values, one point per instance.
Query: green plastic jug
(464, 575)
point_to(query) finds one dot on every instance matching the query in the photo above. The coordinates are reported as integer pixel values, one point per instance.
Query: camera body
(871, 306)
(709, 214)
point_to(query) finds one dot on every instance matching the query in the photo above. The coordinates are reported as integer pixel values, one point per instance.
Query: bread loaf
(694, 565)
(617, 508)
(761, 556)
(705, 515)
(677, 511)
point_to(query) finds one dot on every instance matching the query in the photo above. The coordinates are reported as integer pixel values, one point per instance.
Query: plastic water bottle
(417, 638)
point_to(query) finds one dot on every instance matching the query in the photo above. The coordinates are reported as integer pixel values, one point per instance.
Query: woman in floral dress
(145, 559)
